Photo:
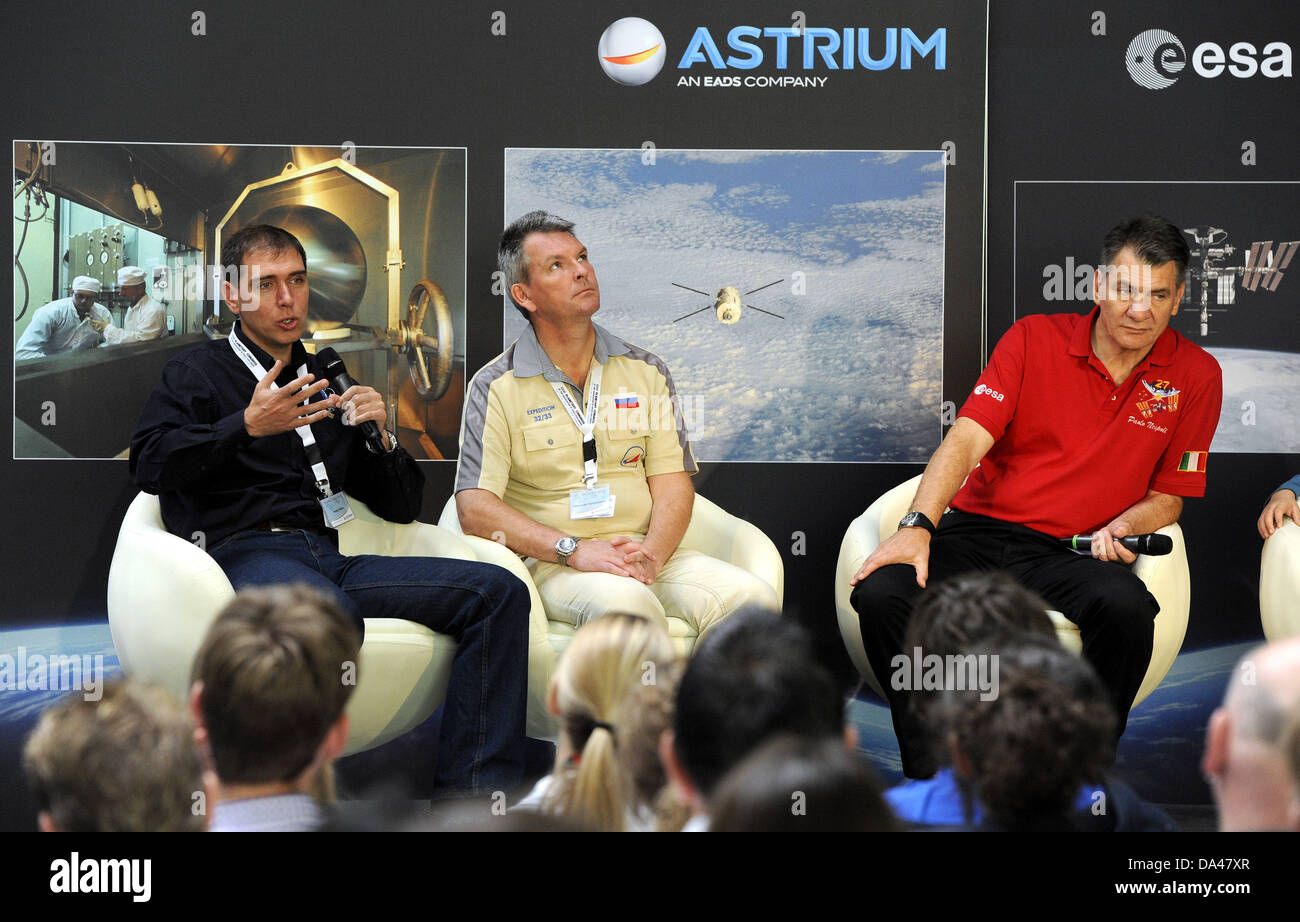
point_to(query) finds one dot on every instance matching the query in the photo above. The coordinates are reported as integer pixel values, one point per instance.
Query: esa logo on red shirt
(984, 389)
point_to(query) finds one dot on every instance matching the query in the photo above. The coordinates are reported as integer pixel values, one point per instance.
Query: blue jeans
(480, 748)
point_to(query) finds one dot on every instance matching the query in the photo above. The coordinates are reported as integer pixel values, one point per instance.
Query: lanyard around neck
(304, 432)
(585, 421)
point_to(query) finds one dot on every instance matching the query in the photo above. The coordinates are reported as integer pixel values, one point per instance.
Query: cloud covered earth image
(854, 370)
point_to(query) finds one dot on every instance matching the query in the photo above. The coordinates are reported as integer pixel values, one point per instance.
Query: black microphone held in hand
(340, 381)
(1153, 545)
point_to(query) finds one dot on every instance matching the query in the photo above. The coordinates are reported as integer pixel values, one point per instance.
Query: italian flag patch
(1193, 462)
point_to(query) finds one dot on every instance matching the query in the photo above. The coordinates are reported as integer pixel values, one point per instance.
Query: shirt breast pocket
(627, 447)
(552, 456)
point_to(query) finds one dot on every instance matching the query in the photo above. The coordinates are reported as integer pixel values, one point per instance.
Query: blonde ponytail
(605, 660)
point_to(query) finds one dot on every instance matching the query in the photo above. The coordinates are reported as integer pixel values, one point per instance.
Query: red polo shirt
(1071, 449)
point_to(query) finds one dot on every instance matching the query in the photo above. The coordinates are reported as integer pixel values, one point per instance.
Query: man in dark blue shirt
(254, 457)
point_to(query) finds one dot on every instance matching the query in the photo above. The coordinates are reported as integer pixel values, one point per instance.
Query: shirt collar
(1162, 353)
(297, 357)
(286, 812)
(531, 359)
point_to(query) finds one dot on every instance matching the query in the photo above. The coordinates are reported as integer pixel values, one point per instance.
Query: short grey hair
(511, 259)
(1259, 706)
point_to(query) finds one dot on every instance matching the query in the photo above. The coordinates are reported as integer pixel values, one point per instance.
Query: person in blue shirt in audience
(989, 613)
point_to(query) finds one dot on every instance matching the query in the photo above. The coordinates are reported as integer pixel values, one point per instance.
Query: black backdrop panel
(422, 74)
(1064, 110)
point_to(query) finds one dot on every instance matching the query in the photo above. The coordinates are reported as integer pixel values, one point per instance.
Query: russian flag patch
(628, 402)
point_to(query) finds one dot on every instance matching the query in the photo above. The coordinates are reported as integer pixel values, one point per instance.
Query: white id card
(336, 509)
(595, 503)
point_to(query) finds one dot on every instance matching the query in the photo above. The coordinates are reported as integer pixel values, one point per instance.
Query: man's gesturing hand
(907, 545)
(274, 410)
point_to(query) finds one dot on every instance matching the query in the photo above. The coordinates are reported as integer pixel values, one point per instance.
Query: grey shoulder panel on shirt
(637, 354)
(469, 466)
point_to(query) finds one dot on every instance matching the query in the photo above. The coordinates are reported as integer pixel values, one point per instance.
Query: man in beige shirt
(574, 452)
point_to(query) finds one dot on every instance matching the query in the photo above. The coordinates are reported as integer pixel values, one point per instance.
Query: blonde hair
(124, 763)
(603, 663)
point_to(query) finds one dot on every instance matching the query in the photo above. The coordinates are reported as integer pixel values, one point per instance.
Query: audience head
(959, 614)
(974, 610)
(1292, 748)
(271, 682)
(646, 715)
(1245, 759)
(123, 763)
(1049, 730)
(604, 662)
(793, 784)
(753, 677)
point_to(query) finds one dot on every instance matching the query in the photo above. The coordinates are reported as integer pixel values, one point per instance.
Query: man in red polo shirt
(1096, 423)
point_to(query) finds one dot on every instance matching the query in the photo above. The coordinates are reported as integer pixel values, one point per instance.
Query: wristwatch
(386, 436)
(564, 547)
(918, 520)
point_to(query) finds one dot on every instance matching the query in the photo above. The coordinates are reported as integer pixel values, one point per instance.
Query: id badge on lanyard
(591, 502)
(334, 506)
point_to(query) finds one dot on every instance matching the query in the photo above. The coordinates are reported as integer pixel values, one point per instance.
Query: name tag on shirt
(595, 503)
(336, 509)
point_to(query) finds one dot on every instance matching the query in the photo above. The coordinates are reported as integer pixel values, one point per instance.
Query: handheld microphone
(340, 381)
(1153, 545)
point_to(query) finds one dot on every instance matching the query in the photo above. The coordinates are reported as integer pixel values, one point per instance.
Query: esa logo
(1156, 59)
(984, 389)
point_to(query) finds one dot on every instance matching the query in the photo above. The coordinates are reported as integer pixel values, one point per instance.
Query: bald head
(1263, 689)
(1245, 758)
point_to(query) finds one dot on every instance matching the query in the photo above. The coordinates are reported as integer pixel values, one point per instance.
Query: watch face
(566, 544)
(914, 519)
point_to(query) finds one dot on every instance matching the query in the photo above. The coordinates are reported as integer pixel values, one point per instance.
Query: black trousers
(1112, 608)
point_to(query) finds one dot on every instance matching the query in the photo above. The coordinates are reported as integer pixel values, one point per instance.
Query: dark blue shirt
(192, 450)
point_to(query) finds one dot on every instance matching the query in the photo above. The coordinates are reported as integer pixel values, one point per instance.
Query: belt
(282, 527)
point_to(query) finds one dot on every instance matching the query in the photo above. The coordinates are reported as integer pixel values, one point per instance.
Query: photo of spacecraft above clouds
(795, 296)
(727, 304)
